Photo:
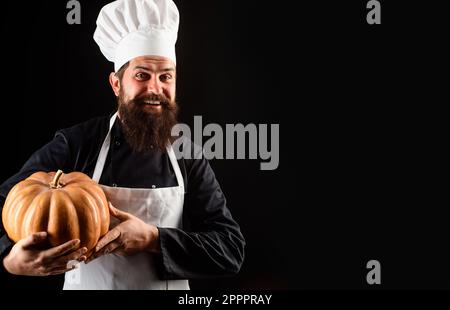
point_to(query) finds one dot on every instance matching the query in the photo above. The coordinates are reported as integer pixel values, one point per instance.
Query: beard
(147, 129)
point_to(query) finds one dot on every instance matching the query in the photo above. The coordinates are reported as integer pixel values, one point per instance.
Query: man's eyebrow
(142, 68)
(147, 69)
(168, 69)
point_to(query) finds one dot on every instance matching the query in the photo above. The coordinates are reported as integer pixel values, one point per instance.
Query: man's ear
(115, 83)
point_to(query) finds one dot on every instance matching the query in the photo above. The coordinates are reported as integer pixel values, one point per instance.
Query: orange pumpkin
(67, 206)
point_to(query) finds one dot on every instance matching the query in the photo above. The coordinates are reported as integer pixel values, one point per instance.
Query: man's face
(146, 77)
(146, 98)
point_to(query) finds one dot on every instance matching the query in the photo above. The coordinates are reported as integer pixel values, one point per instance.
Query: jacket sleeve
(210, 243)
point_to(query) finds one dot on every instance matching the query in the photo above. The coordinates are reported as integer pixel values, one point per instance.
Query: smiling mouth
(152, 103)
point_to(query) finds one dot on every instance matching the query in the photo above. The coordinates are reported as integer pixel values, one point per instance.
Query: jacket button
(117, 143)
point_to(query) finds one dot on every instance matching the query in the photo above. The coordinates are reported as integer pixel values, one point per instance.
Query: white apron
(162, 207)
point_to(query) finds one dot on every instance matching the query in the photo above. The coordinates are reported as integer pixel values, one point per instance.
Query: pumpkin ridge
(74, 230)
(59, 223)
(19, 206)
(102, 204)
(87, 211)
(18, 188)
(31, 222)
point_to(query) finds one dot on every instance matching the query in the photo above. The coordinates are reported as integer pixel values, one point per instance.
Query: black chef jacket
(210, 243)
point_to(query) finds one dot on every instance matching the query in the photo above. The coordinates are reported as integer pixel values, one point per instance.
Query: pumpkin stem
(55, 183)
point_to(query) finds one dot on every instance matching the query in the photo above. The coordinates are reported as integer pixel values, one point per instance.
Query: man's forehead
(152, 63)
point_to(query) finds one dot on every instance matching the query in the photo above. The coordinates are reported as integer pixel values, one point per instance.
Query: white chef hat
(127, 29)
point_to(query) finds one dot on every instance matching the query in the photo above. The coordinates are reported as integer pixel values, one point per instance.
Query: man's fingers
(107, 249)
(123, 216)
(109, 237)
(34, 239)
(77, 255)
(68, 261)
(59, 270)
(62, 249)
(110, 248)
(88, 254)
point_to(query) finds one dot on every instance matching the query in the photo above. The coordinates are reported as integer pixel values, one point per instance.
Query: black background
(360, 109)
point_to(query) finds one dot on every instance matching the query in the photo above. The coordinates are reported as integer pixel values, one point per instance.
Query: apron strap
(176, 167)
(103, 152)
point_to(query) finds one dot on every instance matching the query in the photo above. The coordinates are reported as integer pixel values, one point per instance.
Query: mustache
(142, 100)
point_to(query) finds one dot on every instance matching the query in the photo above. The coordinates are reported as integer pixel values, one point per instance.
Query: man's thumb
(118, 214)
(34, 239)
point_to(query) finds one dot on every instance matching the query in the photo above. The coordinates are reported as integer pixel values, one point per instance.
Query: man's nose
(154, 85)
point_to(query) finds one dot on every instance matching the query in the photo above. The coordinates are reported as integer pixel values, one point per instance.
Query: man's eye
(142, 76)
(165, 77)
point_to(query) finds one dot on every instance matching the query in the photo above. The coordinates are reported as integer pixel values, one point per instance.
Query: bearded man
(170, 218)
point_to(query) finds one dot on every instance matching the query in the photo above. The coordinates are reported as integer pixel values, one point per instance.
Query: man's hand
(131, 236)
(27, 259)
